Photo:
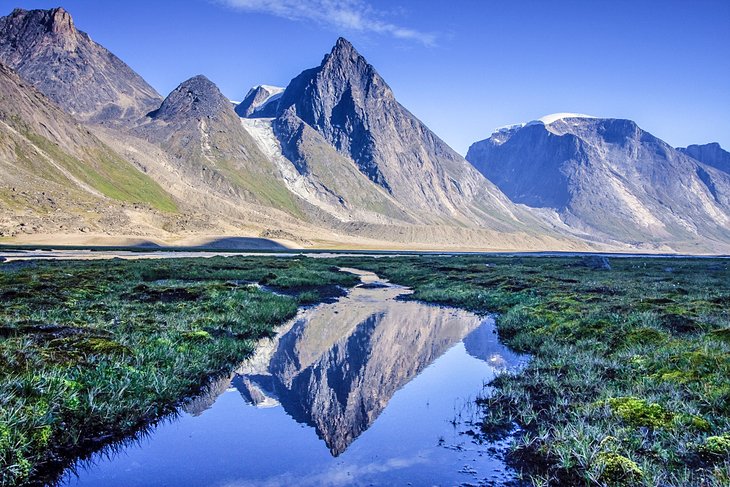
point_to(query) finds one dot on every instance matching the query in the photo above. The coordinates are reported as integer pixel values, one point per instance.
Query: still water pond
(369, 390)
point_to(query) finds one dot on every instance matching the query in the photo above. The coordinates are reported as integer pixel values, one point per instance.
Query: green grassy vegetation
(629, 381)
(263, 185)
(628, 384)
(93, 350)
(109, 174)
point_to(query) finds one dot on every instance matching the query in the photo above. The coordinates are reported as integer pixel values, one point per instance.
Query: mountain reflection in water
(337, 365)
(336, 368)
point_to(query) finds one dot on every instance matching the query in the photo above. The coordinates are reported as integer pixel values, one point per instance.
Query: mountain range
(91, 153)
(609, 178)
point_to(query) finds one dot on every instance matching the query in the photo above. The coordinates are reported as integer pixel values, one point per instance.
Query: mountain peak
(61, 21)
(260, 101)
(342, 52)
(85, 79)
(197, 97)
(711, 154)
(25, 27)
(343, 45)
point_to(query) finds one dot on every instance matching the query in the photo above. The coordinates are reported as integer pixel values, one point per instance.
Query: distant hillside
(56, 175)
(611, 179)
(710, 154)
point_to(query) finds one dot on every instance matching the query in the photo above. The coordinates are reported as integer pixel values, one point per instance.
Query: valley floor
(629, 382)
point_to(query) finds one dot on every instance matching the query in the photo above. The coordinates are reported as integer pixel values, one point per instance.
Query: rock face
(78, 74)
(610, 179)
(350, 105)
(260, 101)
(711, 154)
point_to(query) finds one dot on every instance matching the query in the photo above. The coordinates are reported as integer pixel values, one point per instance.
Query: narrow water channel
(368, 390)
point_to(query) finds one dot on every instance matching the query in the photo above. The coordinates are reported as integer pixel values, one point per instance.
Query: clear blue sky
(463, 67)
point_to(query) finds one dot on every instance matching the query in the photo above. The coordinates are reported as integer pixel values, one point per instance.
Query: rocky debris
(78, 74)
(595, 262)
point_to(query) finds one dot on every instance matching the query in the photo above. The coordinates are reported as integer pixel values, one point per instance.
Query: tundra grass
(90, 351)
(629, 382)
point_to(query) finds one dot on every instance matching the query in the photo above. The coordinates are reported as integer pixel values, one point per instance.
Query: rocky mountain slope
(611, 179)
(711, 154)
(198, 127)
(55, 175)
(350, 105)
(81, 76)
(331, 160)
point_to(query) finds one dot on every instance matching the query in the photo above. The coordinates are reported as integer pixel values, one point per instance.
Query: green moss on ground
(629, 382)
(93, 350)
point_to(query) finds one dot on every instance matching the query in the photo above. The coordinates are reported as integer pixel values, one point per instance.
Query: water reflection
(335, 369)
(337, 366)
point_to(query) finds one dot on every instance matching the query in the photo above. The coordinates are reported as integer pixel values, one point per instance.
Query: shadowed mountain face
(611, 179)
(711, 154)
(81, 76)
(338, 365)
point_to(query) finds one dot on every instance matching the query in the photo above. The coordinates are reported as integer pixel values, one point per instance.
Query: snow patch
(262, 131)
(548, 119)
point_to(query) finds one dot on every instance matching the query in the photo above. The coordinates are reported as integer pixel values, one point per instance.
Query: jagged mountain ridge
(81, 76)
(350, 105)
(335, 157)
(610, 178)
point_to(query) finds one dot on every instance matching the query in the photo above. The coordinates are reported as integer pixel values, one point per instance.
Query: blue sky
(463, 67)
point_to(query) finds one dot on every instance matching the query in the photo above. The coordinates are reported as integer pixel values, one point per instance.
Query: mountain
(79, 75)
(610, 179)
(57, 177)
(331, 160)
(260, 101)
(349, 104)
(711, 154)
(198, 127)
(346, 146)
